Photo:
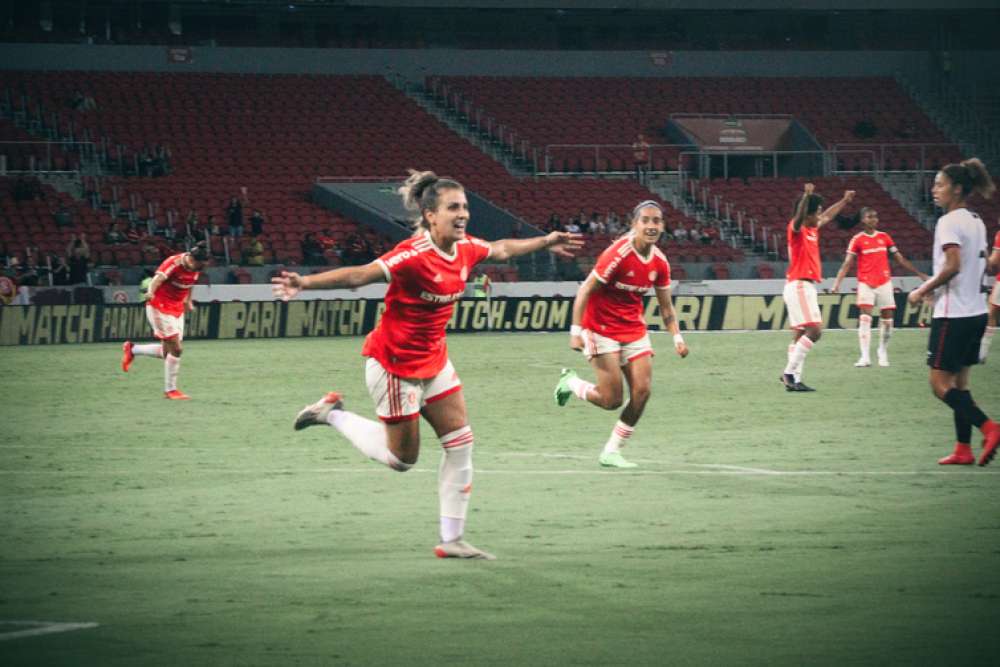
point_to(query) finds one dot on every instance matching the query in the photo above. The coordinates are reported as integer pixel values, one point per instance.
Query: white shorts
(880, 297)
(595, 344)
(800, 301)
(995, 294)
(400, 399)
(165, 326)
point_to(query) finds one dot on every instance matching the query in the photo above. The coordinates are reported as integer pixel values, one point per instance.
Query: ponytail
(420, 193)
(971, 175)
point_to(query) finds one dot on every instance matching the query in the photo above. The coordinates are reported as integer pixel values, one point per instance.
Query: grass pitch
(761, 528)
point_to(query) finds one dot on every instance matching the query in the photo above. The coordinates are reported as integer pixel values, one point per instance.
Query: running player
(804, 272)
(169, 295)
(609, 327)
(407, 371)
(959, 318)
(872, 248)
(993, 264)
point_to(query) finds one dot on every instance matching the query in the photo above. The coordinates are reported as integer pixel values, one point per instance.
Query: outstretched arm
(832, 212)
(666, 303)
(564, 244)
(906, 264)
(289, 284)
(842, 273)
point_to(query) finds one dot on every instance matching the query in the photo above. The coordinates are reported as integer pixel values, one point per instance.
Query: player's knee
(639, 395)
(814, 333)
(611, 401)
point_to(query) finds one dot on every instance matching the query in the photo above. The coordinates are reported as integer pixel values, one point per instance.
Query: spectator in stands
(234, 216)
(113, 235)
(573, 227)
(212, 226)
(357, 250)
(256, 223)
(60, 270)
(78, 254)
(704, 236)
(192, 226)
(312, 251)
(613, 224)
(594, 225)
(253, 253)
(147, 163)
(680, 233)
(640, 158)
(554, 224)
(28, 272)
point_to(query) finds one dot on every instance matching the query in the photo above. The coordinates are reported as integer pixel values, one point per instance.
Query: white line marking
(41, 628)
(720, 466)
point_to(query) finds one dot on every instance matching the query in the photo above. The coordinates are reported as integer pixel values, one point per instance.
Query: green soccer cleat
(563, 392)
(615, 460)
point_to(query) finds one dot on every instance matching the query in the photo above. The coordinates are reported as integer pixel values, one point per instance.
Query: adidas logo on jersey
(630, 274)
(438, 278)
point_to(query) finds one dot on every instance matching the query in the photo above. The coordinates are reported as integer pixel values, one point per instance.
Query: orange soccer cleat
(127, 355)
(176, 395)
(991, 439)
(962, 456)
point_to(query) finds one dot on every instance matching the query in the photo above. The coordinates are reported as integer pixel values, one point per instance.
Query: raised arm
(663, 297)
(579, 306)
(289, 284)
(800, 210)
(845, 268)
(832, 212)
(563, 244)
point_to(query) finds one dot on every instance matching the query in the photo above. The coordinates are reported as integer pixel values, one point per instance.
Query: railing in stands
(886, 154)
(588, 158)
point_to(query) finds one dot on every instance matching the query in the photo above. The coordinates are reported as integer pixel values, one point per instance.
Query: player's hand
(190, 306)
(287, 285)
(810, 188)
(915, 297)
(835, 289)
(576, 343)
(849, 195)
(681, 348)
(564, 244)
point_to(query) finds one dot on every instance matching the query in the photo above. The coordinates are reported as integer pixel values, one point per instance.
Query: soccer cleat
(316, 414)
(962, 456)
(562, 391)
(176, 395)
(614, 460)
(127, 355)
(862, 363)
(461, 549)
(802, 386)
(788, 380)
(991, 440)
(883, 359)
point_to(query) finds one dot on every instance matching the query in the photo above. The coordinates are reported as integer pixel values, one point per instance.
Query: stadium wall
(49, 325)
(415, 64)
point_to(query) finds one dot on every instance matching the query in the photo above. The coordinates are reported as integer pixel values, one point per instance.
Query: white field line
(41, 628)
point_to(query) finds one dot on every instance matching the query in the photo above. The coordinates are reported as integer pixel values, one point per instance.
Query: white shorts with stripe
(800, 301)
(165, 326)
(400, 399)
(880, 297)
(595, 344)
(995, 294)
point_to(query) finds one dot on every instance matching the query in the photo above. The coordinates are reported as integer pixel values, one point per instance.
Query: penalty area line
(35, 628)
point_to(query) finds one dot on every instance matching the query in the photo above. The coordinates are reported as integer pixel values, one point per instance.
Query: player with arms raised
(872, 248)
(804, 272)
(407, 371)
(169, 296)
(609, 327)
(959, 318)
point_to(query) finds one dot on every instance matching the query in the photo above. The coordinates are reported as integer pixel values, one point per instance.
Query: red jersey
(615, 309)
(424, 284)
(178, 280)
(803, 254)
(873, 253)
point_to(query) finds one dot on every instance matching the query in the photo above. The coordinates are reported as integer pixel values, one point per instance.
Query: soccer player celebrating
(169, 295)
(959, 318)
(872, 248)
(804, 271)
(992, 264)
(610, 329)
(407, 371)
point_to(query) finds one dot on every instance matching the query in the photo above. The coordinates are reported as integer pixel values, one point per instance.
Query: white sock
(984, 344)
(148, 350)
(619, 437)
(171, 367)
(455, 482)
(791, 351)
(797, 359)
(367, 436)
(580, 387)
(865, 336)
(884, 334)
